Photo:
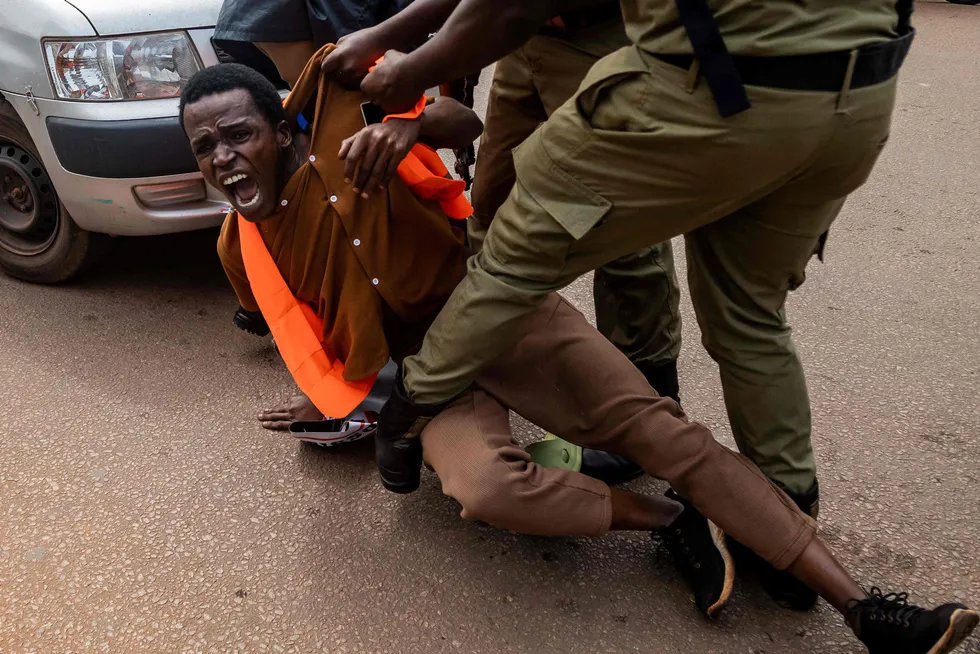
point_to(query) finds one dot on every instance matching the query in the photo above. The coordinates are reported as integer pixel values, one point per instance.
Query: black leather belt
(826, 71)
(727, 75)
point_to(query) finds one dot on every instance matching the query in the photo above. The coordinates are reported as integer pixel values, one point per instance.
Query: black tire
(39, 241)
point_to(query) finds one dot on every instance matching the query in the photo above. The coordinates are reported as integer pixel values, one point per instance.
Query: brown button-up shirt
(376, 270)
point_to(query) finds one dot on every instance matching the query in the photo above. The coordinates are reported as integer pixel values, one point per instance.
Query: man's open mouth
(244, 189)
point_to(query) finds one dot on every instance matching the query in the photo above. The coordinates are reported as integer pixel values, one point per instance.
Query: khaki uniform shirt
(767, 27)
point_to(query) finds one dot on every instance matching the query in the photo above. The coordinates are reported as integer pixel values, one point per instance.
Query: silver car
(90, 144)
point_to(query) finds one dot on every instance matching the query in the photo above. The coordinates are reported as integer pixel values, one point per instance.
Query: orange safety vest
(296, 327)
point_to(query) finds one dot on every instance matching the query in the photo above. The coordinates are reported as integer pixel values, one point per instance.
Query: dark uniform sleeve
(230, 253)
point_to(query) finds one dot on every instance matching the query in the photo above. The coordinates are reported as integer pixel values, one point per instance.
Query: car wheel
(39, 242)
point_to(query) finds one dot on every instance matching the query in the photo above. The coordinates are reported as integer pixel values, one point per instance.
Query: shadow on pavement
(173, 261)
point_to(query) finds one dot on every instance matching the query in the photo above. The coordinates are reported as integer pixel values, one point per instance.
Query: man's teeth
(254, 200)
(235, 178)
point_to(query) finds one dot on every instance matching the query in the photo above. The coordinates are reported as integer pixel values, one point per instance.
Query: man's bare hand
(373, 154)
(298, 407)
(391, 85)
(349, 62)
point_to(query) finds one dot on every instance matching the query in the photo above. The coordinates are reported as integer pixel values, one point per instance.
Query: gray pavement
(143, 509)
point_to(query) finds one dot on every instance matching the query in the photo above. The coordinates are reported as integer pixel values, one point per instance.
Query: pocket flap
(573, 205)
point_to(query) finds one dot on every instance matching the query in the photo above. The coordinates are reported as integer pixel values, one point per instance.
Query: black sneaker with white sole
(888, 624)
(698, 549)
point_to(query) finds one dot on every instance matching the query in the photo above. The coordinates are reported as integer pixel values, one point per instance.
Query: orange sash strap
(298, 330)
(424, 173)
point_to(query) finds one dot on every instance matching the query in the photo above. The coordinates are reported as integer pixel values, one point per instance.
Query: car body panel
(22, 26)
(112, 18)
(96, 203)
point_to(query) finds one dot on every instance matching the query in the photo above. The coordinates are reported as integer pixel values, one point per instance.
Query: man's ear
(284, 134)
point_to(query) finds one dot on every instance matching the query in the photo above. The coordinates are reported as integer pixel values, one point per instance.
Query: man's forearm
(413, 24)
(478, 33)
(448, 124)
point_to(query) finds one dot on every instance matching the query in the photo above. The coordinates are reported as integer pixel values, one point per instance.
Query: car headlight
(137, 67)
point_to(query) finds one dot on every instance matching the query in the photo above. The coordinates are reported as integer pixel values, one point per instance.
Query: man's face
(238, 151)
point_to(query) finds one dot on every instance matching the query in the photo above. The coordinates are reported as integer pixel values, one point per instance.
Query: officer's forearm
(413, 24)
(448, 124)
(478, 33)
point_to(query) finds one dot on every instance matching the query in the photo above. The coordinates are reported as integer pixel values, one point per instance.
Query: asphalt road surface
(142, 508)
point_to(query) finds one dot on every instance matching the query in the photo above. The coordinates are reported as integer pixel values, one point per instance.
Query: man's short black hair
(229, 77)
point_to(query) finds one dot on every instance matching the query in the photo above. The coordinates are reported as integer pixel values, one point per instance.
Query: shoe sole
(719, 539)
(961, 625)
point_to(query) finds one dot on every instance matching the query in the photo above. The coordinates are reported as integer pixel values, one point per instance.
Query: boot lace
(671, 541)
(893, 608)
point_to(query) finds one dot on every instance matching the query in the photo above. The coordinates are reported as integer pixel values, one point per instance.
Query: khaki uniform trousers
(637, 300)
(641, 155)
(566, 377)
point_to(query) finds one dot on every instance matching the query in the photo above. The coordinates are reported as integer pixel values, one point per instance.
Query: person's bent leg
(471, 448)
(739, 273)
(564, 376)
(740, 270)
(599, 180)
(567, 378)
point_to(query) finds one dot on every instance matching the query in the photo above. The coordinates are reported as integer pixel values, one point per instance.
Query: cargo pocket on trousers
(572, 204)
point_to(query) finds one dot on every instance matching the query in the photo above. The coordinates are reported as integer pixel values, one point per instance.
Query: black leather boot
(397, 447)
(251, 321)
(613, 468)
(663, 378)
(610, 468)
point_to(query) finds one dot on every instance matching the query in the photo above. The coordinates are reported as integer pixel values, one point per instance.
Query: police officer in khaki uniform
(743, 125)
(637, 299)
(745, 133)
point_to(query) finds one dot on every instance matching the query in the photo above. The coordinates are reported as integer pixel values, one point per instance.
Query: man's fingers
(275, 414)
(277, 425)
(331, 63)
(354, 154)
(392, 168)
(378, 172)
(366, 166)
(345, 148)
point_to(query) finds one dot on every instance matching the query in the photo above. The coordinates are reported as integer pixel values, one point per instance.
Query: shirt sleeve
(230, 253)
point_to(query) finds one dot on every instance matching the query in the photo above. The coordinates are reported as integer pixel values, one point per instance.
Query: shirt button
(357, 242)
(312, 157)
(284, 202)
(375, 281)
(333, 198)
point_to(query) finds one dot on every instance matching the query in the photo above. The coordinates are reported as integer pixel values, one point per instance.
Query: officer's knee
(748, 343)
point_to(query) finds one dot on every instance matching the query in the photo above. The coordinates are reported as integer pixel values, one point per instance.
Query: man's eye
(240, 135)
(202, 149)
